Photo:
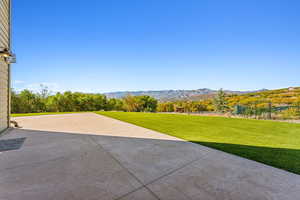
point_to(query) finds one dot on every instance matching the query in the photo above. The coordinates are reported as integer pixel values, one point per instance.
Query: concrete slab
(88, 123)
(89, 174)
(141, 194)
(37, 150)
(87, 156)
(223, 176)
(149, 159)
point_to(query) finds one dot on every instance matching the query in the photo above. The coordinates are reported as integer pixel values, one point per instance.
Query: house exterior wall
(4, 67)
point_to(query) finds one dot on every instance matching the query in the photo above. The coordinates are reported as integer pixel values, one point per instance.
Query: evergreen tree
(220, 102)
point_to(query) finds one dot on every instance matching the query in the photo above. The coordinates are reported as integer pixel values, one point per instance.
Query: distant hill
(278, 97)
(173, 95)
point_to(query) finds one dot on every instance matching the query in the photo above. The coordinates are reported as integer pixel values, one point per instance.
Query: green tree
(140, 103)
(220, 102)
(27, 101)
(131, 104)
(147, 103)
(15, 102)
(165, 107)
(114, 104)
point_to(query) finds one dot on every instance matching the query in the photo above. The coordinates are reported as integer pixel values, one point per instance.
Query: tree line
(27, 101)
(249, 104)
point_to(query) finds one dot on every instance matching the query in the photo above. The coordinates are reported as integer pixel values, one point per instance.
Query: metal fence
(269, 111)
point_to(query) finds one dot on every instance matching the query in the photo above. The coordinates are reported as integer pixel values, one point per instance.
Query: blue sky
(117, 45)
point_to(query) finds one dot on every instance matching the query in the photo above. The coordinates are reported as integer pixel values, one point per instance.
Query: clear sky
(118, 45)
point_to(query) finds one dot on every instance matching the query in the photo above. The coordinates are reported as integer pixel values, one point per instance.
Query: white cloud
(18, 82)
(36, 87)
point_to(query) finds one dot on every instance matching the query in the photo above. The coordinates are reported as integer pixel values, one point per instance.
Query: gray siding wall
(4, 67)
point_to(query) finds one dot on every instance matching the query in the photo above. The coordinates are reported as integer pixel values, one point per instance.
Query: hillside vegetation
(282, 103)
(280, 97)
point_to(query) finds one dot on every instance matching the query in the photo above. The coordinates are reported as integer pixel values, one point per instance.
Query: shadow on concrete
(283, 158)
(80, 165)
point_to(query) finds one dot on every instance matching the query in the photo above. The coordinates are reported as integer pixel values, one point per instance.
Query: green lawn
(36, 114)
(273, 143)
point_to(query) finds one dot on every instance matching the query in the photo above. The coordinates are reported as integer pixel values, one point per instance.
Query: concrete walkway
(92, 157)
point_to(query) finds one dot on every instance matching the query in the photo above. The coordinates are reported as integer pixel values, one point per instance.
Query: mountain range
(173, 95)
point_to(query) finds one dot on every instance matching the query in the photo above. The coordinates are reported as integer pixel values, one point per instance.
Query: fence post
(270, 110)
(255, 107)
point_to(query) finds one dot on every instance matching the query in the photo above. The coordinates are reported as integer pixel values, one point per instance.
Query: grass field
(273, 143)
(36, 114)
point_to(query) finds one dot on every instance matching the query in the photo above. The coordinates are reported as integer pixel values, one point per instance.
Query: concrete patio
(88, 156)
